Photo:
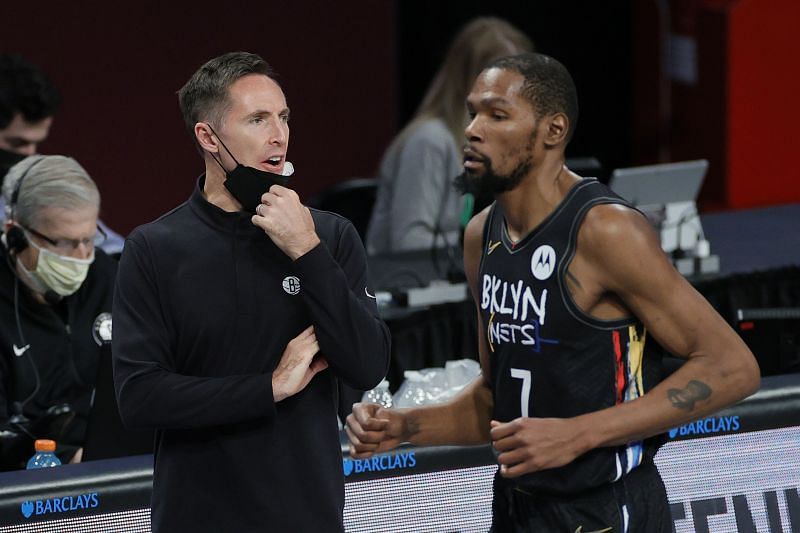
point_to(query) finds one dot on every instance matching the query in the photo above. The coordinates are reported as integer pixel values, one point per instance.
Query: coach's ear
(556, 130)
(206, 138)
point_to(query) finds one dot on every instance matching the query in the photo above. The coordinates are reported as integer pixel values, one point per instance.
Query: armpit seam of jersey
(572, 247)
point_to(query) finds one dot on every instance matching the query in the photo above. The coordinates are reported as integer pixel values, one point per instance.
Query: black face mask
(248, 184)
(7, 160)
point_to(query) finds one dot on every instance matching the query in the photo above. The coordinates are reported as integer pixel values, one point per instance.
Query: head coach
(236, 313)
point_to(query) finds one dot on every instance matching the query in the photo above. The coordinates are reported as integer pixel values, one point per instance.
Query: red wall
(764, 104)
(119, 71)
(742, 111)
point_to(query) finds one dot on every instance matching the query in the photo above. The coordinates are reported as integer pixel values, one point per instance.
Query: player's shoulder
(609, 223)
(473, 243)
(476, 225)
(620, 242)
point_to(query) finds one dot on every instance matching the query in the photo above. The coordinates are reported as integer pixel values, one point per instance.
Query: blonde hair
(480, 42)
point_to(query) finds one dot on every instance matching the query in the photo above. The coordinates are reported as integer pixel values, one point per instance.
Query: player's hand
(373, 429)
(531, 444)
(286, 221)
(299, 363)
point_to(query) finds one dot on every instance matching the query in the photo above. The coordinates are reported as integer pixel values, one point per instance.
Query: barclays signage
(707, 426)
(379, 463)
(64, 504)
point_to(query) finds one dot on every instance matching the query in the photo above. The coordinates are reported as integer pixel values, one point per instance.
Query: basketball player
(571, 284)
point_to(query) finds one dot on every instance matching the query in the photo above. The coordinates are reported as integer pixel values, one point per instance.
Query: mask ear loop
(223, 145)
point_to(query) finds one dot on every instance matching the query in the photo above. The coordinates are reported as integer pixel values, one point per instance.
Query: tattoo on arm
(685, 398)
(574, 280)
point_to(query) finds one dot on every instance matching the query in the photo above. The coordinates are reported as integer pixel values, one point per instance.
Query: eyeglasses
(69, 245)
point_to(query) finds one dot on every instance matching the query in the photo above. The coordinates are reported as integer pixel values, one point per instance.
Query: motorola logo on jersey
(291, 284)
(543, 262)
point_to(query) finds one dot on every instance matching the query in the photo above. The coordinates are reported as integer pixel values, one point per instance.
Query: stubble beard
(489, 183)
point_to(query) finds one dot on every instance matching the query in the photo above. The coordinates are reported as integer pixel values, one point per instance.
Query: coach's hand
(373, 429)
(286, 221)
(531, 444)
(299, 363)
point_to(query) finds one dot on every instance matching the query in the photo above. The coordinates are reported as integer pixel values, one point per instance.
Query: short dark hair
(26, 90)
(548, 85)
(205, 96)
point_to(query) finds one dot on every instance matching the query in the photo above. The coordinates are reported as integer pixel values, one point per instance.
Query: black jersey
(548, 358)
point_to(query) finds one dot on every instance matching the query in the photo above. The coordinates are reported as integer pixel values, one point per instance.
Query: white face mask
(62, 274)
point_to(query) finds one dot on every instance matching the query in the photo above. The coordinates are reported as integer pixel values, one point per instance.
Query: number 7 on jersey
(525, 393)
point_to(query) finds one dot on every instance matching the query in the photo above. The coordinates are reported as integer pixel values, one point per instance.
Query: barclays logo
(707, 426)
(379, 463)
(59, 505)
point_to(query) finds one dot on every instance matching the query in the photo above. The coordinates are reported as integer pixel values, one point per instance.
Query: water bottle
(379, 395)
(44, 456)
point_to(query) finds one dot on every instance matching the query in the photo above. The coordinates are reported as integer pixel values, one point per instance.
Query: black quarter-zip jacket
(204, 306)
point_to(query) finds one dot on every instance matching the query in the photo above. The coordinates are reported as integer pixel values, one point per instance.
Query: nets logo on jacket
(291, 284)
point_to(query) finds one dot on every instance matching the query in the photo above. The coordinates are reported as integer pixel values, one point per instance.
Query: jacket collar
(230, 222)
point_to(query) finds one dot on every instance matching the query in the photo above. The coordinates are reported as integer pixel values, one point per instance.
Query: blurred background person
(28, 101)
(416, 205)
(55, 302)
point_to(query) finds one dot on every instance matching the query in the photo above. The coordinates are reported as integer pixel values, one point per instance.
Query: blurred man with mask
(55, 296)
(236, 314)
(28, 101)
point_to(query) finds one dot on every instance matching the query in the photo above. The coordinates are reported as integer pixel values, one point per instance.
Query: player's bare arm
(619, 269)
(463, 420)
(630, 267)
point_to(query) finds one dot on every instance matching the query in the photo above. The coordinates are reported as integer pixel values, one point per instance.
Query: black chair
(353, 199)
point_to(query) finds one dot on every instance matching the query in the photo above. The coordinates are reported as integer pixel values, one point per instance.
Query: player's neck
(536, 197)
(214, 189)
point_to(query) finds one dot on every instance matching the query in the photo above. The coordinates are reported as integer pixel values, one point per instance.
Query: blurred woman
(416, 205)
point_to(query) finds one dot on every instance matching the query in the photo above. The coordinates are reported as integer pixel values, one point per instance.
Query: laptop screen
(660, 184)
